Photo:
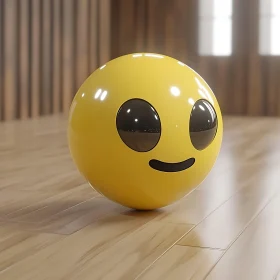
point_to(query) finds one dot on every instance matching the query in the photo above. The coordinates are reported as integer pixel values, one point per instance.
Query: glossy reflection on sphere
(144, 130)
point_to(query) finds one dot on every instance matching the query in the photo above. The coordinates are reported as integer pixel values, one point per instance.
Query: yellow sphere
(144, 130)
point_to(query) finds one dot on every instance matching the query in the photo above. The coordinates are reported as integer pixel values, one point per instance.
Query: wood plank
(126, 28)
(77, 251)
(93, 35)
(104, 31)
(68, 78)
(14, 200)
(255, 98)
(151, 28)
(41, 191)
(47, 49)
(82, 44)
(224, 181)
(182, 263)
(46, 99)
(42, 206)
(73, 218)
(169, 26)
(127, 258)
(1, 60)
(140, 25)
(235, 213)
(115, 28)
(16, 244)
(10, 59)
(36, 62)
(24, 52)
(256, 253)
(276, 86)
(193, 208)
(57, 56)
(225, 82)
(238, 80)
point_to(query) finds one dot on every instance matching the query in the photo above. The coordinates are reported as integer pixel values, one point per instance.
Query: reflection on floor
(54, 226)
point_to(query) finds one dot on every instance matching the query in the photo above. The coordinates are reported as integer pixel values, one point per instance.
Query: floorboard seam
(153, 262)
(176, 243)
(241, 232)
(201, 247)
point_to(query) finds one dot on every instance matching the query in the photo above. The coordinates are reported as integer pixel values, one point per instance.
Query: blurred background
(49, 47)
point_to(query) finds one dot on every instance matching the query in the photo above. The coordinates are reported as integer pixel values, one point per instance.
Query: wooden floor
(54, 226)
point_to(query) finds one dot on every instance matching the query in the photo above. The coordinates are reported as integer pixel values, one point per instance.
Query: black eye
(203, 124)
(138, 125)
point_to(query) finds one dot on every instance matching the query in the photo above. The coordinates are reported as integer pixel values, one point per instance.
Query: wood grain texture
(127, 258)
(82, 42)
(53, 225)
(74, 218)
(36, 57)
(222, 226)
(57, 56)
(36, 206)
(181, 262)
(46, 98)
(10, 59)
(93, 35)
(1, 59)
(245, 83)
(78, 249)
(16, 244)
(193, 208)
(47, 50)
(68, 53)
(24, 84)
(256, 251)
(140, 24)
(104, 39)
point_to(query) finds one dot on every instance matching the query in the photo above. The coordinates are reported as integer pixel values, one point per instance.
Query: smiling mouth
(171, 167)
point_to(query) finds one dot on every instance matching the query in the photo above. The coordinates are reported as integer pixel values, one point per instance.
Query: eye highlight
(138, 125)
(203, 124)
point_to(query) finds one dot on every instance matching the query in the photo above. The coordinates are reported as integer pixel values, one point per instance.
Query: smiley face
(139, 127)
(145, 130)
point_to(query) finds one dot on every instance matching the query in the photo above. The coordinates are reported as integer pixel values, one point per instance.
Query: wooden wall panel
(46, 97)
(1, 59)
(161, 26)
(245, 83)
(69, 41)
(104, 39)
(10, 59)
(47, 49)
(140, 24)
(271, 85)
(93, 35)
(24, 60)
(36, 57)
(82, 43)
(255, 102)
(57, 56)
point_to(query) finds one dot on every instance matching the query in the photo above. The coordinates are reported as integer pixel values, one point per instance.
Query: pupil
(138, 125)
(203, 124)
